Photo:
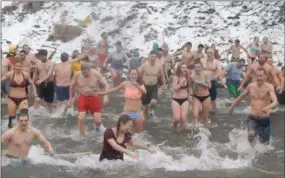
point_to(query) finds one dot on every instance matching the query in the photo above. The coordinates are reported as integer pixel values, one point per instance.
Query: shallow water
(220, 152)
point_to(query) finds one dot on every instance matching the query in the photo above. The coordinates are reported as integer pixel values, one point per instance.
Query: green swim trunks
(233, 90)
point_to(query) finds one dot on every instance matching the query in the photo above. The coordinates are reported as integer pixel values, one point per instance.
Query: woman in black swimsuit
(201, 83)
(116, 140)
(17, 96)
(181, 91)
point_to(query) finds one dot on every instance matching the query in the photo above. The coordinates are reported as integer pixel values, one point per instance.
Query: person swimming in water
(133, 94)
(116, 140)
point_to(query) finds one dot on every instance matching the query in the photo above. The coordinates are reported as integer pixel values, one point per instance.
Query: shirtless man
(187, 56)
(28, 64)
(263, 99)
(160, 60)
(199, 53)
(6, 67)
(43, 78)
(87, 83)
(213, 66)
(235, 50)
(270, 73)
(169, 65)
(266, 48)
(150, 72)
(19, 139)
(102, 47)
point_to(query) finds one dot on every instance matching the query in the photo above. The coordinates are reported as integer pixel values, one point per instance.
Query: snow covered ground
(139, 24)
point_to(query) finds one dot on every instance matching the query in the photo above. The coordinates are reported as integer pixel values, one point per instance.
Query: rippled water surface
(220, 152)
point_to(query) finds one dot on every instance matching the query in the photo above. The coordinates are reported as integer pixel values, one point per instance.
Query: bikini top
(195, 85)
(132, 93)
(14, 84)
(183, 87)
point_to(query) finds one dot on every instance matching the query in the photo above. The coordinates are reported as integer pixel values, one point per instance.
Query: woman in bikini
(133, 93)
(17, 96)
(254, 50)
(201, 84)
(116, 140)
(181, 91)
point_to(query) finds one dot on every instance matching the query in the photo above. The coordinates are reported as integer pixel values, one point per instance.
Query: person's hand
(278, 90)
(50, 151)
(265, 109)
(190, 99)
(133, 155)
(231, 110)
(105, 99)
(240, 88)
(69, 103)
(38, 82)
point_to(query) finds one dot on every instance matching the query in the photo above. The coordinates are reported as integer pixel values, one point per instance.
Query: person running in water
(87, 83)
(6, 67)
(269, 73)
(198, 55)
(62, 76)
(102, 48)
(17, 95)
(200, 84)
(117, 60)
(43, 78)
(133, 94)
(233, 73)
(116, 140)
(266, 48)
(150, 72)
(235, 50)
(169, 65)
(187, 56)
(253, 50)
(213, 66)
(180, 96)
(20, 138)
(262, 100)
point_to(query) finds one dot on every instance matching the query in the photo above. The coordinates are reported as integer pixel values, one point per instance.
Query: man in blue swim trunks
(263, 99)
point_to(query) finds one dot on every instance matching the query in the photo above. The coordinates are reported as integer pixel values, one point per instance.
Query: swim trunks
(89, 103)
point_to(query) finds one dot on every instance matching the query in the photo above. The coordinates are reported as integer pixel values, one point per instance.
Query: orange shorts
(102, 58)
(89, 103)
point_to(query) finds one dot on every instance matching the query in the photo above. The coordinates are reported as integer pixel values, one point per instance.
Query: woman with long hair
(116, 140)
(200, 83)
(17, 95)
(132, 94)
(180, 96)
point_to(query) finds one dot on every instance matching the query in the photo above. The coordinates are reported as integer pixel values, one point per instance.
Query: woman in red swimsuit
(116, 140)
(17, 96)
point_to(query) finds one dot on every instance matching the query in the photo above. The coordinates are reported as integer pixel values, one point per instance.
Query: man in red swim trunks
(86, 82)
(102, 47)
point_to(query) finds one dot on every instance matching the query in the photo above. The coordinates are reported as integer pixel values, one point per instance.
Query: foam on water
(208, 159)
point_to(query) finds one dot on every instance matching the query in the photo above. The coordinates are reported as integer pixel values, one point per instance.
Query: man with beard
(269, 73)
(262, 100)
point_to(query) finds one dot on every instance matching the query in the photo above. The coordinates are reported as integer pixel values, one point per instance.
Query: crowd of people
(193, 81)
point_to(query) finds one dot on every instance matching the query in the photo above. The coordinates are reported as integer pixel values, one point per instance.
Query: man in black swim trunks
(261, 94)
(150, 72)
